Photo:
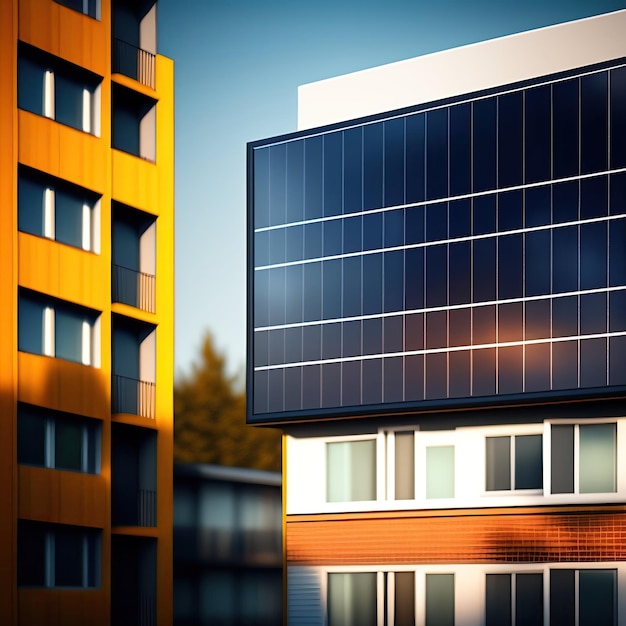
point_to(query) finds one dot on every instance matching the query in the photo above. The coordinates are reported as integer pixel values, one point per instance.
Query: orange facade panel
(135, 181)
(63, 607)
(557, 536)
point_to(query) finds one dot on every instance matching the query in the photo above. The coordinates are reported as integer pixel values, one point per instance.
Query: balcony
(134, 62)
(136, 397)
(134, 288)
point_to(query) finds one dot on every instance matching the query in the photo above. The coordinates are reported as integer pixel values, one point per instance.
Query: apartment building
(86, 328)
(437, 288)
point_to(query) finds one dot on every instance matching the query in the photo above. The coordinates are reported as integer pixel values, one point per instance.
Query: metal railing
(146, 507)
(132, 287)
(137, 397)
(134, 62)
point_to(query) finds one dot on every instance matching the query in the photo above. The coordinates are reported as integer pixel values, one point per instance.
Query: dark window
(565, 98)
(537, 114)
(333, 148)
(484, 144)
(510, 125)
(394, 162)
(352, 170)
(373, 166)
(593, 123)
(437, 154)
(460, 149)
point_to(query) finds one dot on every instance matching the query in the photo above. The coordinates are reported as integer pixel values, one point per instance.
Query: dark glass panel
(594, 197)
(294, 243)
(293, 389)
(436, 276)
(537, 133)
(460, 272)
(484, 144)
(484, 282)
(597, 598)
(537, 367)
(277, 246)
(528, 599)
(393, 379)
(562, 595)
(68, 209)
(277, 296)
(394, 281)
(260, 394)
(498, 600)
(510, 369)
(353, 170)
(565, 202)
(30, 85)
(617, 253)
(276, 390)
(331, 293)
(373, 166)
(68, 100)
(331, 385)
(437, 329)
(414, 377)
(311, 387)
(313, 148)
(332, 237)
(593, 362)
(460, 223)
(394, 162)
(293, 344)
(372, 284)
(565, 316)
(437, 221)
(436, 376)
(484, 372)
(261, 187)
(352, 234)
(436, 154)
(565, 365)
(593, 313)
(261, 298)
(278, 184)
(528, 462)
(373, 336)
(460, 327)
(312, 301)
(593, 123)
(565, 259)
(484, 210)
(617, 194)
(510, 127)
(372, 381)
(510, 266)
(537, 209)
(510, 322)
(593, 253)
(331, 341)
(565, 128)
(537, 324)
(373, 231)
(459, 364)
(313, 240)
(415, 162)
(510, 215)
(351, 383)
(618, 117)
(351, 286)
(460, 149)
(484, 324)
(537, 254)
(415, 224)
(414, 332)
(68, 562)
(276, 347)
(295, 181)
(617, 360)
(31, 555)
(31, 438)
(414, 279)
(404, 598)
(394, 228)
(498, 463)
(352, 344)
(617, 311)
(333, 175)
(31, 206)
(393, 334)
(311, 343)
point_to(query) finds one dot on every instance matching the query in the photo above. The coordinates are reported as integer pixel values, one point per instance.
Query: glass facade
(464, 250)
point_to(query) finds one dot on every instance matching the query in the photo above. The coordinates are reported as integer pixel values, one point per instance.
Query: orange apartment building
(86, 323)
(437, 298)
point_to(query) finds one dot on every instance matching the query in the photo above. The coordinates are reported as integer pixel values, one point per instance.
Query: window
(351, 471)
(87, 7)
(584, 458)
(53, 440)
(352, 599)
(514, 599)
(133, 125)
(54, 555)
(58, 90)
(514, 462)
(439, 472)
(55, 328)
(48, 207)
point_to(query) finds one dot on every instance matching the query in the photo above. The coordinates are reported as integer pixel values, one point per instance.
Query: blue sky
(238, 64)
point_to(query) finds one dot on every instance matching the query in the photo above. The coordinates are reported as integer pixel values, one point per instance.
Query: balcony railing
(132, 287)
(146, 507)
(136, 397)
(134, 62)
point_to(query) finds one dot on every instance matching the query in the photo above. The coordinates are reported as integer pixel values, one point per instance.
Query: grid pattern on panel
(469, 250)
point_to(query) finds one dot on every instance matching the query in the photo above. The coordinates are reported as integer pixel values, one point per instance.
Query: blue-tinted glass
(331, 295)
(437, 221)
(510, 210)
(277, 295)
(510, 267)
(593, 253)
(415, 224)
(331, 384)
(484, 281)
(510, 324)
(394, 162)
(593, 123)
(293, 344)
(460, 327)
(565, 128)
(537, 133)
(311, 343)
(372, 381)
(415, 161)
(293, 389)
(313, 177)
(617, 253)
(311, 386)
(313, 240)
(414, 279)
(617, 360)
(30, 86)
(353, 170)
(278, 184)
(261, 298)
(30, 326)
(414, 331)
(68, 564)
(393, 334)
(483, 324)
(437, 154)
(594, 197)
(333, 158)
(436, 329)
(31, 438)
(294, 243)
(484, 210)
(261, 187)
(593, 362)
(537, 263)
(565, 202)
(510, 369)
(31, 206)
(276, 390)
(394, 228)
(260, 394)
(460, 271)
(68, 335)
(565, 259)
(617, 194)
(460, 218)
(373, 166)
(393, 376)
(618, 117)
(351, 383)
(460, 149)
(372, 285)
(592, 313)
(276, 346)
(372, 231)
(312, 292)
(436, 276)
(484, 372)
(351, 338)
(414, 377)
(510, 125)
(333, 237)
(537, 324)
(537, 367)
(617, 311)
(565, 316)
(537, 210)
(394, 281)
(68, 101)
(436, 376)
(277, 246)
(294, 294)
(373, 336)
(352, 234)
(484, 144)
(459, 364)
(261, 248)
(351, 286)
(295, 181)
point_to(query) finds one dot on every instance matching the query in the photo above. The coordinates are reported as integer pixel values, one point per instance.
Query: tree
(210, 418)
